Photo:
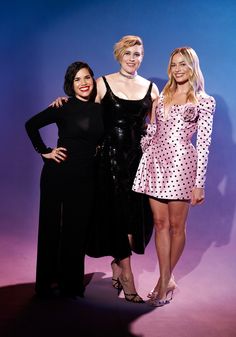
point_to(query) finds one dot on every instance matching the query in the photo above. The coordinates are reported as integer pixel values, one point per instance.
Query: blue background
(39, 39)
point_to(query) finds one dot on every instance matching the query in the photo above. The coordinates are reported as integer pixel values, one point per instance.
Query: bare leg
(126, 275)
(169, 220)
(122, 277)
(116, 270)
(178, 211)
(163, 244)
(127, 281)
(117, 267)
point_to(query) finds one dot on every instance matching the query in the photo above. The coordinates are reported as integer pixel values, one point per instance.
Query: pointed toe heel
(158, 302)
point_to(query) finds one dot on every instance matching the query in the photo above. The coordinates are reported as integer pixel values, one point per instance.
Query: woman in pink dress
(172, 170)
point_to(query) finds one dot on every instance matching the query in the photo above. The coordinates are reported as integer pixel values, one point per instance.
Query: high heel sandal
(170, 289)
(156, 302)
(131, 297)
(116, 284)
(151, 293)
(134, 298)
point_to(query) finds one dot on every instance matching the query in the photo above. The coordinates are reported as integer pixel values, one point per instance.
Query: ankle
(126, 277)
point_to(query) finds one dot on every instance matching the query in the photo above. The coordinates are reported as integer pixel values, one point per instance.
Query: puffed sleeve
(38, 121)
(206, 108)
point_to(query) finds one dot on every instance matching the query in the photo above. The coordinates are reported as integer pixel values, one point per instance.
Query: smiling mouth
(84, 89)
(179, 76)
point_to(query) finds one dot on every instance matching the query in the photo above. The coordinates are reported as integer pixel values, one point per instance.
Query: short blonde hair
(124, 43)
(196, 79)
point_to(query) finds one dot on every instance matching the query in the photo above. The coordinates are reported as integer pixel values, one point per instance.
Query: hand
(59, 101)
(198, 196)
(57, 154)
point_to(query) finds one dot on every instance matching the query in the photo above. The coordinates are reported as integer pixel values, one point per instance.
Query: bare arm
(155, 99)
(153, 112)
(155, 92)
(101, 89)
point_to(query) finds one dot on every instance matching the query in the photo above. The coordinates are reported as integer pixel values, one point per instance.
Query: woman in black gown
(122, 220)
(66, 187)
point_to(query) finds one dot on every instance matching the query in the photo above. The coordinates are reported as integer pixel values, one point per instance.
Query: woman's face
(180, 69)
(83, 84)
(132, 58)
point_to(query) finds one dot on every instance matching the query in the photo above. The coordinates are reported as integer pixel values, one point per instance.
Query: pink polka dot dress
(171, 165)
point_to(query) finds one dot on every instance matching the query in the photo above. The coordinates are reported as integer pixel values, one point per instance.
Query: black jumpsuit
(118, 210)
(66, 193)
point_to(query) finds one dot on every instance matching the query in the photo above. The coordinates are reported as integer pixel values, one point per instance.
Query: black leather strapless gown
(118, 210)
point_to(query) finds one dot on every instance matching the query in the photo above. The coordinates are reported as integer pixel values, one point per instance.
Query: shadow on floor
(101, 313)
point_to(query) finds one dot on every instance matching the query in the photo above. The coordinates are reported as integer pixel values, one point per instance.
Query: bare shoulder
(101, 89)
(112, 79)
(143, 81)
(109, 77)
(101, 86)
(99, 80)
(146, 83)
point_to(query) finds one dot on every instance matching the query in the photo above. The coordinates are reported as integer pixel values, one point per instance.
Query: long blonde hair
(124, 43)
(196, 80)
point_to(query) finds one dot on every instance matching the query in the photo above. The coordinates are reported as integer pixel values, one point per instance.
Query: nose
(177, 68)
(132, 57)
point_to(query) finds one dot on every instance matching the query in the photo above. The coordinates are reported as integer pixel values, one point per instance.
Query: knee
(161, 224)
(177, 229)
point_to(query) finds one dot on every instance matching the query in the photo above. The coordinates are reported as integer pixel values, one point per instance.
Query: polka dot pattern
(171, 165)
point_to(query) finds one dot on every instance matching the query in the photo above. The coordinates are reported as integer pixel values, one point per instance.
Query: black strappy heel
(134, 298)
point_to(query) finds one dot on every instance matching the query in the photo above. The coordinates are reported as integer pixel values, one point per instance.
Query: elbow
(27, 126)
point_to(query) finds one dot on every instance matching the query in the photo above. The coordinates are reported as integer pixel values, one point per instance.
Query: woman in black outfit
(66, 184)
(123, 221)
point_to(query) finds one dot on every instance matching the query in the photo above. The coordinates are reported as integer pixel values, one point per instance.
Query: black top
(125, 116)
(124, 122)
(79, 128)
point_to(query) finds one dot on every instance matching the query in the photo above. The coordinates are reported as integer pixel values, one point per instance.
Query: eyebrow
(178, 62)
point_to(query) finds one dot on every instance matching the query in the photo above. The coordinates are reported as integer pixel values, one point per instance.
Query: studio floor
(203, 305)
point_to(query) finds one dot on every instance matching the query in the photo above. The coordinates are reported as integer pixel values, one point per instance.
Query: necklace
(128, 76)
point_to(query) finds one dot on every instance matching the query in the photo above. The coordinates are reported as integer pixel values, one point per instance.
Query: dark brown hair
(70, 76)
